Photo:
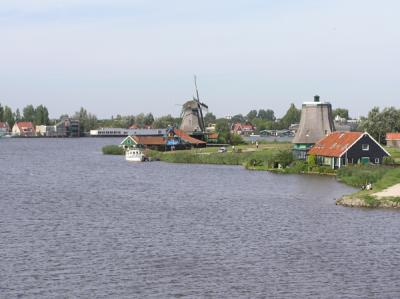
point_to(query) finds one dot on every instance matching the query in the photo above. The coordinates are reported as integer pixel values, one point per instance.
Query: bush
(388, 160)
(113, 150)
(361, 174)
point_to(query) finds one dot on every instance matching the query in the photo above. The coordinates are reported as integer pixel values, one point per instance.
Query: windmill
(192, 115)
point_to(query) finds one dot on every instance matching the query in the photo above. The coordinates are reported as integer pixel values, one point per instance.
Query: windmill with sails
(193, 117)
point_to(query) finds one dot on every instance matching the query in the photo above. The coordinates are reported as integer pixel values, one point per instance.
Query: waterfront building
(23, 129)
(243, 129)
(120, 132)
(4, 128)
(67, 127)
(173, 139)
(393, 140)
(316, 122)
(43, 130)
(342, 148)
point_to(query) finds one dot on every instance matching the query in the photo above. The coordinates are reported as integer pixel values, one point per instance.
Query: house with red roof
(393, 139)
(343, 148)
(242, 129)
(23, 128)
(4, 128)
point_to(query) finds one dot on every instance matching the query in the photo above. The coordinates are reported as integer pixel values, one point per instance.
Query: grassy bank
(265, 156)
(381, 177)
(113, 150)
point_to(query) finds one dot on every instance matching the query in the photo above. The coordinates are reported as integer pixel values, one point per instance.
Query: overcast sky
(131, 56)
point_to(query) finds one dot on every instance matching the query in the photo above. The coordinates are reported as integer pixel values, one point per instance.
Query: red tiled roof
(187, 138)
(335, 144)
(25, 124)
(150, 140)
(242, 127)
(393, 136)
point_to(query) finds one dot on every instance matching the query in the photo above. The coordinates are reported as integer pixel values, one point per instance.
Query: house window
(365, 147)
(377, 161)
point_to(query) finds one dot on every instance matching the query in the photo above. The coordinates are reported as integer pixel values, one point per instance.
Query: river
(77, 224)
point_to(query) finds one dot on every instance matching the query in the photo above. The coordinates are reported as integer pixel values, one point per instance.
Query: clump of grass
(370, 200)
(359, 175)
(113, 150)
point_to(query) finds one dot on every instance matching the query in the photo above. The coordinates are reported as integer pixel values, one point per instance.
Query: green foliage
(370, 200)
(359, 175)
(266, 114)
(251, 115)
(236, 139)
(209, 118)
(1, 113)
(113, 150)
(378, 123)
(238, 118)
(8, 116)
(284, 157)
(388, 160)
(312, 160)
(41, 115)
(87, 120)
(292, 116)
(29, 113)
(341, 112)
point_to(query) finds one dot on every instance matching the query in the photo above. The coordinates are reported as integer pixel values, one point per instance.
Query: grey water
(77, 224)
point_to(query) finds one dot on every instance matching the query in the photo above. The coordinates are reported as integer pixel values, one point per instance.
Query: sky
(131, 56)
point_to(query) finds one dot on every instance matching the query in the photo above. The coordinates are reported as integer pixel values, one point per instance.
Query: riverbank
(385, 191)
(277, 157)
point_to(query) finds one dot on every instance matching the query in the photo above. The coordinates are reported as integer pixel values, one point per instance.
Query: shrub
(113, 150)
(388, 160)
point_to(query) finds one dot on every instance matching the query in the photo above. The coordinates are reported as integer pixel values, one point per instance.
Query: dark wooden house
(342, 148)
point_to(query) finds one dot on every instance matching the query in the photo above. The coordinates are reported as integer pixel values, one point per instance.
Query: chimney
(316, 98)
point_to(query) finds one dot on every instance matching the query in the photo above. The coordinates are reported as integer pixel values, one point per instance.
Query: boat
(134, 155)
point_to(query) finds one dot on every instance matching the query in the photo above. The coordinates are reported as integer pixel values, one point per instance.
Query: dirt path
(393, 191)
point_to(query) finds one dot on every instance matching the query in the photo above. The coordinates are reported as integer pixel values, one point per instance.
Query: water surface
(75, 223)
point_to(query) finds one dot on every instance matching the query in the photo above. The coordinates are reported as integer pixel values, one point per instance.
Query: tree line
(38, 115)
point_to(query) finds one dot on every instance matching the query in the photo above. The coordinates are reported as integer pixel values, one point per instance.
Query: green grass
(113, 150)
(395, 153)
(381, 177)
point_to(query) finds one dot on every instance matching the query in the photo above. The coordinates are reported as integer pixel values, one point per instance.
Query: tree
(222, 127)
(41, 115)
(238, 118)
(140, 120)
(378, 123)
(341, 112)
(266, 114)
(8, 116)
(87, 120)
(29, 113)
(209, 118)
(292, 116)
(1, 113)
(164, 121)
(251, 115)
(17, 115)
(148, 119)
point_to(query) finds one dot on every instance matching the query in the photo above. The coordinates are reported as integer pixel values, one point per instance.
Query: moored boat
(134, 155)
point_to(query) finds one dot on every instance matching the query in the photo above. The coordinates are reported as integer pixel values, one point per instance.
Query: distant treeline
(377, 123)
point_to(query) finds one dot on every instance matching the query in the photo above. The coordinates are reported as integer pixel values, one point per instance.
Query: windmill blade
(204, 105)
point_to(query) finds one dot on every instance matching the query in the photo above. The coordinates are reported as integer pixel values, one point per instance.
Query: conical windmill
(192, 115)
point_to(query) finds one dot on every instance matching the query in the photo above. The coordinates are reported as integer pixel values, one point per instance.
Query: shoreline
(277, 158)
